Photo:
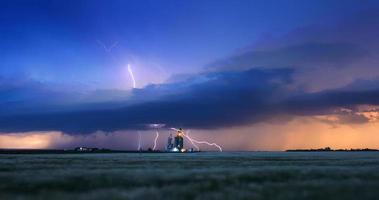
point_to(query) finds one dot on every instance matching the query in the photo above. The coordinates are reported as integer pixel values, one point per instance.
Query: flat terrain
(240, 175)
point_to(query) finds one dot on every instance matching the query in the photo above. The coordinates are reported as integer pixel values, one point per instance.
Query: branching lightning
(132, 76)
(207, 143)
(190, 139)
(107, 49)
(174, 129)
(199, 142)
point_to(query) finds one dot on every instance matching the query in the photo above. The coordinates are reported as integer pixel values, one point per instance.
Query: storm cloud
(206, 101)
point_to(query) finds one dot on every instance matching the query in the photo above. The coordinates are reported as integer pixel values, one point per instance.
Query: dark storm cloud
(343, 103)
(22, 95)
(325, 102)
(216, 100)
(212, 100)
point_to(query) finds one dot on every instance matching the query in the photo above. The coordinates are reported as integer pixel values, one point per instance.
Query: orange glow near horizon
(32, 140)
(299, 133)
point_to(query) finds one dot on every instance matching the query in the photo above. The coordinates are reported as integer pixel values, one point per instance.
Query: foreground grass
(312, 175)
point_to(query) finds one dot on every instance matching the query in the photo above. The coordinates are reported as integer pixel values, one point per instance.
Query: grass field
(240, 175)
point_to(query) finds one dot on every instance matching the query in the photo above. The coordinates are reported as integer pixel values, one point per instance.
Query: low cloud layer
(207, 101)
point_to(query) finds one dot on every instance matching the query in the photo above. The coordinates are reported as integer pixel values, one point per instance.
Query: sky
(247, 75)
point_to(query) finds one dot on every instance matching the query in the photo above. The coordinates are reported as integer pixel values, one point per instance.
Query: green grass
(282, 175)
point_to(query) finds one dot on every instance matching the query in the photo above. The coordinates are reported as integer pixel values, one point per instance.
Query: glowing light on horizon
(29, 140)
(132, 76)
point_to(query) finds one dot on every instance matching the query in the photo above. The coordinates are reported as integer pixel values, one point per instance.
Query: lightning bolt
(190, 139)
(107, 49)
(132, 76)
(199, 142)
(156, 127)
(156, 139)
(139, 141)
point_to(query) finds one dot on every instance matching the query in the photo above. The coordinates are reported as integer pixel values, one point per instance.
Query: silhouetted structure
(170, 145)
(86, 149)
(178, 145)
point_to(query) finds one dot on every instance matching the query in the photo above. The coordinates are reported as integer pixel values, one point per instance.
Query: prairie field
(206, 175)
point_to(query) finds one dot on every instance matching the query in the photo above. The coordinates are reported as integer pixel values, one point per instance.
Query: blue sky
(58, 41)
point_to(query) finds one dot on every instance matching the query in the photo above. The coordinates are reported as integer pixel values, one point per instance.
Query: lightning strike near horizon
(156, 127)
(139, 140)
(132, 76)
(190, 139)
(200, 142)
(155, 140)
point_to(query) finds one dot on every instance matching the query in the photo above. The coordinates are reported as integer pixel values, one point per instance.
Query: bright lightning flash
(139, 140)
(199, 142)
(132, 76)
(190, 139)
(156, 127)
(155, 139)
